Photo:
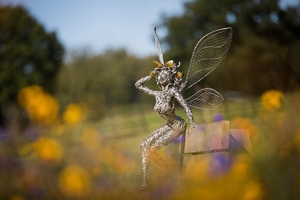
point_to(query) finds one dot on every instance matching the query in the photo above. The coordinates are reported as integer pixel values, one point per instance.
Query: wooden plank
(207, 138)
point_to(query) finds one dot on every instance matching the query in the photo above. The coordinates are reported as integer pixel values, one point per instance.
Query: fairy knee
(144, 144)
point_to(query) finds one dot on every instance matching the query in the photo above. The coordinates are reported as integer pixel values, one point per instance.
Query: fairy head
(166, 74)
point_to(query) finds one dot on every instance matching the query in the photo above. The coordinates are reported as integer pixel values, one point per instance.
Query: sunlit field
(65, 155)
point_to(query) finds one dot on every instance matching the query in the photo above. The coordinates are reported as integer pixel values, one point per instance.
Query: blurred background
(71, 119)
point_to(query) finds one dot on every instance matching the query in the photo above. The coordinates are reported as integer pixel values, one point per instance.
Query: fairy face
(164, 76)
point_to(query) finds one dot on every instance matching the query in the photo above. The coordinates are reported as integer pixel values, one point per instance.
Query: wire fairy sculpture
(207, 55)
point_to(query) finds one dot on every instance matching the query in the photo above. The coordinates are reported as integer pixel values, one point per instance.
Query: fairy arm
(186, 107)
(140, 85)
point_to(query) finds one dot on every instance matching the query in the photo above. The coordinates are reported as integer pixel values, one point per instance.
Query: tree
(28, 54)
(265, 46)
(102, 80)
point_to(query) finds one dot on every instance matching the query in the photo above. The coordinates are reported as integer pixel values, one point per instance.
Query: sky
(99, 25)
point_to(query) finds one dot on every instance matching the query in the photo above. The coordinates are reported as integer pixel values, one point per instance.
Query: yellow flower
(241, 168)
(40, 106)
(74, 181)
(252, 191)
(271, 100)
(48, 149)
(72, 114)
(197, 171)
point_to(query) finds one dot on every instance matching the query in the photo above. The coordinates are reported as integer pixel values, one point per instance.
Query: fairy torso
(165, 104)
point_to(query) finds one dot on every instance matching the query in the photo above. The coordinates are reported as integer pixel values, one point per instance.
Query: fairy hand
(193, 124)
(153, 74)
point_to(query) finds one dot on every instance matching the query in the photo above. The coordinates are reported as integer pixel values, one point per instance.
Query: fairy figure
(207, 55)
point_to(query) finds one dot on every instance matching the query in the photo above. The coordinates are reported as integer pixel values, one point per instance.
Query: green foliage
(103, 80)
(29, 55)
(265, 47)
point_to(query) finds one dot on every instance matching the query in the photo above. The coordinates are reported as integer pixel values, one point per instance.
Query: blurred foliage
(265, 47)
(104, 80)
(28, 54)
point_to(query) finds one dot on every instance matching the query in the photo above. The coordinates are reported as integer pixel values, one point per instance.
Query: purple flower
(4, 134)
(218, 117)
(220, 163)
(179, 139)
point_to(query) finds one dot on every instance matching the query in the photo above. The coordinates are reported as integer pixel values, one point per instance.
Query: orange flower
(253, 191)
(72, 114)
(74, 181)
(40, 106)
(48, 149)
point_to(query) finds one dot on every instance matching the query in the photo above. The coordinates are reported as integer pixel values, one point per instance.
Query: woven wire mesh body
(173, 127)
(207, 55)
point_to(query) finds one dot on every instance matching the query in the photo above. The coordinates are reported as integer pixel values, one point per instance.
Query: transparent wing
(207, 55)
(206, 99)
(159, 51)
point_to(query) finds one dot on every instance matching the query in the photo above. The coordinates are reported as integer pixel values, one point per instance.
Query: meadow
(67, 155)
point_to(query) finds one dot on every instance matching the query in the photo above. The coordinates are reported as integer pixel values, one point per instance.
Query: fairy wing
(206, 99)
(207, 55)
(159, 51)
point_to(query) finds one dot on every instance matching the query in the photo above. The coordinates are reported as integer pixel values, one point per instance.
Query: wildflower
(220, 163)
(272, 100)
(72, 114)
(241, 168)
(218, 117)
(253, 190)
(48, 149)
(74, 181)
(197, 168)
(40, 106)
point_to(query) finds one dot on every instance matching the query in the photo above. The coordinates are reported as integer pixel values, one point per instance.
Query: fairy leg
(146, 151)
(145, 168)
(158, 139)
